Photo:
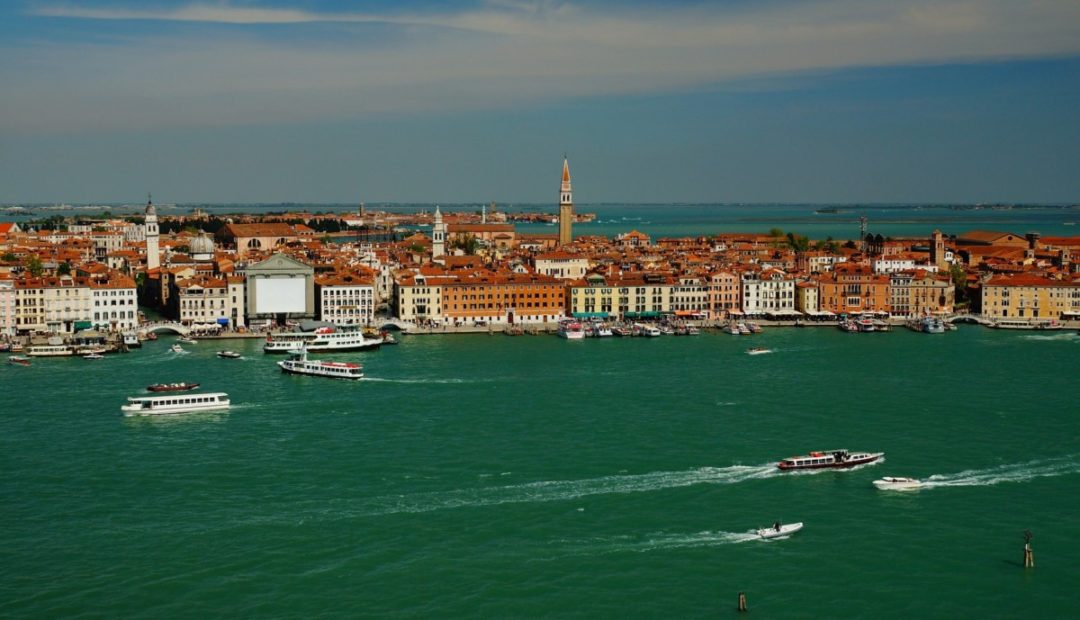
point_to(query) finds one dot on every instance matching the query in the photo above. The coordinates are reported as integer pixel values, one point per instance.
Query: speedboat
(19, 360)
(896, 483)
(777, 530)
(176, 348)
(829, 459)
(93, 356)
(232, 355)
(186, 340)
(757, 351)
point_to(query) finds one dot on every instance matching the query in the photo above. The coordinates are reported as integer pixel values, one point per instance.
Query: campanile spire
(566, 205)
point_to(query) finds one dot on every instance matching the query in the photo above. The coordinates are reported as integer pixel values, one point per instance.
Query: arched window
(254, 244)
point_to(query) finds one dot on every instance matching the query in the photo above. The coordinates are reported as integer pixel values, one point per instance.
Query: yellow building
(1026, 296)
(641, 296)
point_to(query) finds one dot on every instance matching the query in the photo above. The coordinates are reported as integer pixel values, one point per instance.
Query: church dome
(202, 244)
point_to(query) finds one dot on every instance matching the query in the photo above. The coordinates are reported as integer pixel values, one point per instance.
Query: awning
(78, 325)
(641, 315)
(591, 315)
(223, 321)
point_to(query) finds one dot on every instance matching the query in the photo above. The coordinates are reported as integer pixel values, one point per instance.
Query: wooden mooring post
(742, 601)
(1029, 555)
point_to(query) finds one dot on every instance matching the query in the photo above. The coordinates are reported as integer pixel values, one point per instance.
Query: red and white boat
(829, 458)
(571, 330)
(18, 360)
(171, 387)
(299, 364)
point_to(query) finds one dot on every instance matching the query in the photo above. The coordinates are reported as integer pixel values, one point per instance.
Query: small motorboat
(176, 348)
(896, 483)
(757, 351)
(186, 340)
(171, 387)
(93, 356)
(778, 530)
(19, 360)
(231, 355)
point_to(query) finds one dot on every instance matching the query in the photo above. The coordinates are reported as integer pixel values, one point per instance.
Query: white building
(345, 300)
(7, 307)
(114, 304)
(768, 291)
(561, 265)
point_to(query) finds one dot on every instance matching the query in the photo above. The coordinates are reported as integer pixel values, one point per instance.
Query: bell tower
(153, 258)
(566, 205)
(438, 235)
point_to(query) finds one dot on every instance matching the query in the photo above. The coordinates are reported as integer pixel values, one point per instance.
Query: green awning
(83, 325)
(591, 315)
(642, 315)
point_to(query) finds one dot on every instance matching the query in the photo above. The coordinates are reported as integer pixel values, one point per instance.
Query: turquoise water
(493, 477)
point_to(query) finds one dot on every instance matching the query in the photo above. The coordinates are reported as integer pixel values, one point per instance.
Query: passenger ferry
(829, 458)
(299, 364)
(322, 339)
(175, 403)
(49, 350)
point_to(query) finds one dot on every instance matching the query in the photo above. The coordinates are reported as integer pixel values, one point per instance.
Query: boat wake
(659, 541)
(443, 381)
(1067, 336)
(562, 490)
(1016, 472)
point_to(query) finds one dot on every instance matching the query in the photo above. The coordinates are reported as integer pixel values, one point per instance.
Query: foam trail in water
(661, 541)
(385, 380)
(561, 490)
(1062, 336)
(1016, 472)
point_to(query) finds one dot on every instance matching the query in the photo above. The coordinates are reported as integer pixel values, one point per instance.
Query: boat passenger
(776, 526)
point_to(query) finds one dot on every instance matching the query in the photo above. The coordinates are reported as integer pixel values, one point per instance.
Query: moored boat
(175, 403)
(325, 338)
(571, 330)
(299, 364)
(897, 483)
(49, 350)
(171, 387)
(829, 459)
(777, 530)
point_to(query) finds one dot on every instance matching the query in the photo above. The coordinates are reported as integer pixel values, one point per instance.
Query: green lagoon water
(495, 477)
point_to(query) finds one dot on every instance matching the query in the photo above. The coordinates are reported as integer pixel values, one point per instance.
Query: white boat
(176, 348)
(49, 350)
(753, 327)
(778, 530)
(896, 483)
(571, 330)
(232, 355)
(601, 330)
(348, 338)
(650, 331)
(186, 340)
(93, 356)
(175, 403)
(131, 341)
(758, 351)
(732, 329)
(743, 329)
(299, 364)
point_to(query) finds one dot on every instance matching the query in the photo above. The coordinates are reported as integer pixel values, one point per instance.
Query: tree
(64, 269)
(959, 280)
(33, 265)
(8, 257)
(798, 242)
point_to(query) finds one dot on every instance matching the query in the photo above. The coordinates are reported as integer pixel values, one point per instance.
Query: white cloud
(501, 54)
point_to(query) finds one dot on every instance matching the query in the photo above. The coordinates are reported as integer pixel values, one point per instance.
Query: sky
(333, 101)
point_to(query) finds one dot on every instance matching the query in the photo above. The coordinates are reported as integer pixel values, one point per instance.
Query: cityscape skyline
(333, 102)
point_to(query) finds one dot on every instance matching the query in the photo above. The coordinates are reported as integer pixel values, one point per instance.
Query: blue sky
(736, 101)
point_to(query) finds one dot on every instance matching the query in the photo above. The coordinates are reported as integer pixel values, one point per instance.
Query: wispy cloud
(495, 54)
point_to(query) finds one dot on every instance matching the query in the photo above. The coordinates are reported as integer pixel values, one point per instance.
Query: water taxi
(758, 351)
(571, 330)
(299, 364)
(176, 348)
(18, 360)
(896, 483)
(93, 356)
(175, 403)
(231, 355)
(829, 459)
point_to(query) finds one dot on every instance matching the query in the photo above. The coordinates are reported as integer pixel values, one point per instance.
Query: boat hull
(785, 530)
(835, 463)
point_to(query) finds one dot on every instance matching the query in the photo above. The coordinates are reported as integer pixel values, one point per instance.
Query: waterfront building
(345, 299)
(1030, 296)
(561, 265)
(418, 296)
(724, 294)
(566, 206)
(918, 293)
(278, 289)
(690, 297)
(200, 300)
(115, 303)
(806, 297)
(7, 306)
(502, 298)
(767, 291)
(236, 302)
(852, 289)
(630, 296)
